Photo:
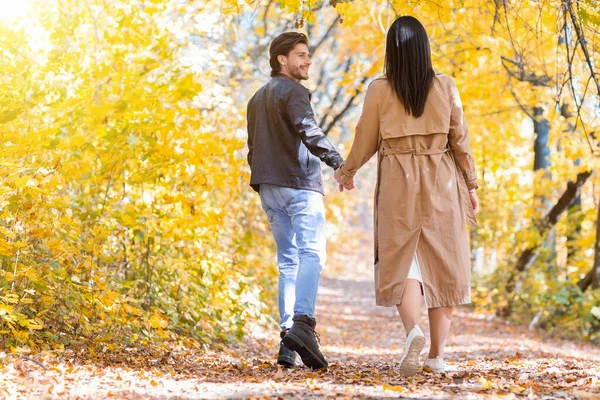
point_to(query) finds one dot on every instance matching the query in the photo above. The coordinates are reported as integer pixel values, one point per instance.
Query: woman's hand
(337, 174)
(347, 186)
(474, 200)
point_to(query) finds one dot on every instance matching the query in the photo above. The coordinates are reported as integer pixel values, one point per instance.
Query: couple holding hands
(413, 119)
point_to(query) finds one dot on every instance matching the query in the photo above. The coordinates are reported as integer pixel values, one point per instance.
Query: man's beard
(299, 74)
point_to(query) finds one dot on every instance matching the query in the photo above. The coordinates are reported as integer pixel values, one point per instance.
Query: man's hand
(337, 174)
(474, 201)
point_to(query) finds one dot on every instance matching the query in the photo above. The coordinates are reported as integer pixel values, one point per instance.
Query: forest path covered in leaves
(363, 344)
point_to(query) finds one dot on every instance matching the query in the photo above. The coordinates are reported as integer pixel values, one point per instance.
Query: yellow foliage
(158, 321)
(113, 185)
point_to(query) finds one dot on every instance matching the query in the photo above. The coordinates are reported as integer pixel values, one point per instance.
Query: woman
(413, 118)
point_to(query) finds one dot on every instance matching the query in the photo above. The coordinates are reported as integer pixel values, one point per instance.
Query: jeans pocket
(270, 215)
(298, 201)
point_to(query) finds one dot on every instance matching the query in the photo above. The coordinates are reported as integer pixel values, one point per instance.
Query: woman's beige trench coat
(425, 170)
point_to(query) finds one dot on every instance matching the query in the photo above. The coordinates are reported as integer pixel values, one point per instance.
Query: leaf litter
(488, 359)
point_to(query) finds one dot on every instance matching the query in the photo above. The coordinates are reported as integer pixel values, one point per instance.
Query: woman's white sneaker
(409, 362)
(436, 365)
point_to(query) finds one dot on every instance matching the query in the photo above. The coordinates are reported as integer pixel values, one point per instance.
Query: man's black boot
(304, 340)
(287, 357)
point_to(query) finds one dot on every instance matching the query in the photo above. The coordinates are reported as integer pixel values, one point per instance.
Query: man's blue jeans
(297, 220)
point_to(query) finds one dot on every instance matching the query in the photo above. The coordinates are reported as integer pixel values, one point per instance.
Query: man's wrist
(337, 162)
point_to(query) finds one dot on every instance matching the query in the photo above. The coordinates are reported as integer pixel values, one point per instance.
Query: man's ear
(282, 60)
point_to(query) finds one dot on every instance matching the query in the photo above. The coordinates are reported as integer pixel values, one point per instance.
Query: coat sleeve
(459, 140)
(366, 139)
(301, 114)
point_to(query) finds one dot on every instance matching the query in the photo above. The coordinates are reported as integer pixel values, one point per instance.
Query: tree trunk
(592, 278)
(574, 219)
(596, 269)
(541, 150)
(544, 226)
(586, 281)
(541, 160)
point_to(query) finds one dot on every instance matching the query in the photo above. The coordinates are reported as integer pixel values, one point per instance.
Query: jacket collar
(284, 76)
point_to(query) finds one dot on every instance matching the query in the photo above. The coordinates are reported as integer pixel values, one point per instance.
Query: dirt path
(363, 344)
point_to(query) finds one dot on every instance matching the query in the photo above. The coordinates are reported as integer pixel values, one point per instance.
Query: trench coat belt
(463, 192)
(416, 151)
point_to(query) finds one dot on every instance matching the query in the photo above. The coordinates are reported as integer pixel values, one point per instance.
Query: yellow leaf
(5, 309)
(157, 321)
(485, 384)
(20, 349)
(6, 249)
(35, 326)
(394, 388)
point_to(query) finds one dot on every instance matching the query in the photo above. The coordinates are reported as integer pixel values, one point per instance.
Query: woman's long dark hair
(408, 63)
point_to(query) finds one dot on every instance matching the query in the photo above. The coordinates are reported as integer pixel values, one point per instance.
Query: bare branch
(313, 49)
(265, 14)
(524, 76)
(29, 359)
(545, 224)
(349, 105)
(514, 95)
(568, 9)
(337, 94)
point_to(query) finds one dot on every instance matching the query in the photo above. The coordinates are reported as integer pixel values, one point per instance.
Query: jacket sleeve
(301, 114)
(366, 139)
(459, 140)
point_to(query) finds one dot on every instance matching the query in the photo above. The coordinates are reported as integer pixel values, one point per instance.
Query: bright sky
(12, 9)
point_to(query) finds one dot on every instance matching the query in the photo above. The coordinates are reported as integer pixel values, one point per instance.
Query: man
(286, 146)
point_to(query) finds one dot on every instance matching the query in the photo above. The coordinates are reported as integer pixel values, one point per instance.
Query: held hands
(338, 177)
(474, 201)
